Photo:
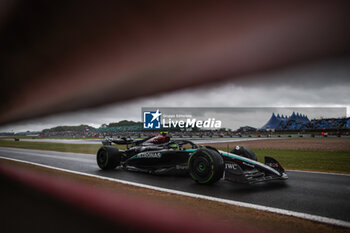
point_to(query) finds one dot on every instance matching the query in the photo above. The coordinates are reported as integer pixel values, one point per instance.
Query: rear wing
(119, 141)
(123, 141)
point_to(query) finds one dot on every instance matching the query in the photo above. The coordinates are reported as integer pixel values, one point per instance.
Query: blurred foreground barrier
(60, 56)
(33, 202)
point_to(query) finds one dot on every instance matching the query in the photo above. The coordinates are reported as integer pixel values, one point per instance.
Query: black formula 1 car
(206, 165)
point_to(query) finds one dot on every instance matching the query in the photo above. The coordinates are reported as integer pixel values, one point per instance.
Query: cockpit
(158, 140)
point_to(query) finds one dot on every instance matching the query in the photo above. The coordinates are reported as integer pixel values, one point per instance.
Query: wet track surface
(98, 141)
(320, 194)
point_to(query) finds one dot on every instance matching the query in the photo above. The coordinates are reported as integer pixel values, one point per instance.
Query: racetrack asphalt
(326, 195)
(98, 141)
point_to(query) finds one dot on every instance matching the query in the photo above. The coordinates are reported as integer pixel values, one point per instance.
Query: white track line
(230, 202)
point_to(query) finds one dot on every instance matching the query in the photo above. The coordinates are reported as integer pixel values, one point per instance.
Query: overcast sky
(321, 84)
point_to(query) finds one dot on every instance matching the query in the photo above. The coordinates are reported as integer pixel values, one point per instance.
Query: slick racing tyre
(206, 166)
(108, 157)
(244, 152)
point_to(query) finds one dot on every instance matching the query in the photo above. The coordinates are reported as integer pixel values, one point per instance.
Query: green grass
(62, 147)
(327, 161)
(37, 137)
(21, 137)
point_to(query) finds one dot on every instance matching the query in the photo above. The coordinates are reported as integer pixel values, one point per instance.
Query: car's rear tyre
(206, 166)
(244, 152)
(108, 157)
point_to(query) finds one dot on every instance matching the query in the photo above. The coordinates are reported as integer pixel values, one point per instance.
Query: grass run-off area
(62, 147)
(327, 161)
(313, 160)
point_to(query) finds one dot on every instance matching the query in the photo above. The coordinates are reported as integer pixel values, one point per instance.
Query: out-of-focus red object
(120, 212)
(61, 56)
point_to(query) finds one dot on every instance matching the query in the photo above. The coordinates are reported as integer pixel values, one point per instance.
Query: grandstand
(295, 123)
(298, 122)
(330, 123)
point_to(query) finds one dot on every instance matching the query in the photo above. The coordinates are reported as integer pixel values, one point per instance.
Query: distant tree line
(78, 128)
(122, 123)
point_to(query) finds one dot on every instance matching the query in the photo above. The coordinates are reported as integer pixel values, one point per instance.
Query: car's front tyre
(206, 166)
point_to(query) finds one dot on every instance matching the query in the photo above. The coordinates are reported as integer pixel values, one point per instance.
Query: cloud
(323, 84)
